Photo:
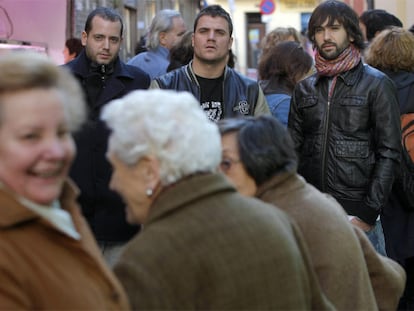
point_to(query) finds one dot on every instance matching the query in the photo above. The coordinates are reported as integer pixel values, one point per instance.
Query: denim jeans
(376, 236)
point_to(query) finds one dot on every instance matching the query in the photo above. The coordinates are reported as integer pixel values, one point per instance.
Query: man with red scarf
(345, 121)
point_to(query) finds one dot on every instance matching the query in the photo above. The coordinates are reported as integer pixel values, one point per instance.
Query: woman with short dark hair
(280, 68)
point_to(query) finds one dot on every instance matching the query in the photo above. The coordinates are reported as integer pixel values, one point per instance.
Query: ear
(151, 171)
(84, 37)
(162, 36)
(230, 43)
(192, 40)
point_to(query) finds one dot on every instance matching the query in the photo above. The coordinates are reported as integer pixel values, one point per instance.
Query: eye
(226, 164)
(62, 132)
(30, 136)
(114, 40)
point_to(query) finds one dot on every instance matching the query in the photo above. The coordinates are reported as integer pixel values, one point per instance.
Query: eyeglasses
(226, 164)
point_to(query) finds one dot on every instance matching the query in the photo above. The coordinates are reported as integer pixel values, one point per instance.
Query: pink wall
(37, 21)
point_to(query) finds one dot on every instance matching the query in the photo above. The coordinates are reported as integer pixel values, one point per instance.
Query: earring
(149, 192)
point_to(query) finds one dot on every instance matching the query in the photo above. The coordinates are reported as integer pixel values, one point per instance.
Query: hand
(360, 224)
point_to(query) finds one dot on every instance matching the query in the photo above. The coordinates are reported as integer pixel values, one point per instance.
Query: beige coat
(42, 268)
(344, 260)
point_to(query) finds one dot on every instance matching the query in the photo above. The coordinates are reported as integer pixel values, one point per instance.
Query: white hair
(162, 22)
(166, 124)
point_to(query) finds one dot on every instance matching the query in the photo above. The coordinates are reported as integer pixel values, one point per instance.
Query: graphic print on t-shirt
(212, 97)
(213, 110)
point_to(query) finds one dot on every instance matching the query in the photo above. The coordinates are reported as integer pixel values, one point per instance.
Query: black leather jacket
(348, 146)
(241, 96)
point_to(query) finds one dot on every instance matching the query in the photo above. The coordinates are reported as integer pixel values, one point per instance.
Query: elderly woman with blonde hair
(392, 51)
(49, 258)
(203, 245)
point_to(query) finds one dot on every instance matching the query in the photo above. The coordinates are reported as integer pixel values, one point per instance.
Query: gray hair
(168, 125)
(162, 22)
(23, 70)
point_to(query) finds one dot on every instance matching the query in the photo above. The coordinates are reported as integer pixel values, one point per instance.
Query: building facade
(252, 19)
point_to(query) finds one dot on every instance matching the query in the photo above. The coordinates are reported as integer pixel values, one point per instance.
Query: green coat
(352, 275)
(204, 246)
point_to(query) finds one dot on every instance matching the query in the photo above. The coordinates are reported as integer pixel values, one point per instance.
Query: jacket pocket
(353, 114)
(353, 165)
(307, 102)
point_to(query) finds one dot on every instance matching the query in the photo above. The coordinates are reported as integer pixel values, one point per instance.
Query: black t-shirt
(211, 99)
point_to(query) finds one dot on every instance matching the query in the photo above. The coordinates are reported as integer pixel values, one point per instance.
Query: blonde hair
(24, 70)
(277, 35)
(392, 49)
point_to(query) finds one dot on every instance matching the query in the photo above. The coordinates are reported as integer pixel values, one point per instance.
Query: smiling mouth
(49, 174)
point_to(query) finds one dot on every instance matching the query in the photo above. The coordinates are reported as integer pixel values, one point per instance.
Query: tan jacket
(352, 275)
(42, 268)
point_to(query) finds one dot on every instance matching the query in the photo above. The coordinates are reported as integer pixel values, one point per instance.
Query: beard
(333, 54)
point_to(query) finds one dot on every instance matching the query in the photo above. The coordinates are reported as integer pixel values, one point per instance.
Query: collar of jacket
(13, 212)
(280, 184)
(81, 66)
(349, 77)
(191, 75)
(188, 189)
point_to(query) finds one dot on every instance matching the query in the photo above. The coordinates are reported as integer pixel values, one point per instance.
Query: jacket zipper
(331, 88)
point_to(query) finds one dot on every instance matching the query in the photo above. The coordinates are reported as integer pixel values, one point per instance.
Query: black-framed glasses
(226, 164)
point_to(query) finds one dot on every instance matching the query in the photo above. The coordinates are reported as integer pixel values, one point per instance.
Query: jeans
(376, 236)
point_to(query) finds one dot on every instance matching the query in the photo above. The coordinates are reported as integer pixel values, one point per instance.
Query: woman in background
(259, 159)
(49, 258)
(280, 68)
(392, 51)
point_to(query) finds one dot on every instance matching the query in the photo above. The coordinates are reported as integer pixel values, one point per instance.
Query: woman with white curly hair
(203, 245)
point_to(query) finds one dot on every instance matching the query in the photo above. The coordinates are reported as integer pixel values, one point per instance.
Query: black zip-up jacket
(91, 171)
(348, 146)
(241, 96)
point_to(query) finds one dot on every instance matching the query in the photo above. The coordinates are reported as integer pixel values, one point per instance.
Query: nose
(56, 149)
(211, 35)
(106, 44)
(326, 34)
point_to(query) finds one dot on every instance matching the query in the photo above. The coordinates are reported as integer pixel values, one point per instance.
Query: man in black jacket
(104, 77)
(222, 91)
(345, 122)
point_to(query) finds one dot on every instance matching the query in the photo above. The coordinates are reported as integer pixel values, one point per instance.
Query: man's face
(103, 42)
(331, 40)
(211, 40)
(173, 36)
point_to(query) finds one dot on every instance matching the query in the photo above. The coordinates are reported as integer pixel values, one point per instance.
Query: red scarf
(348, 59)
